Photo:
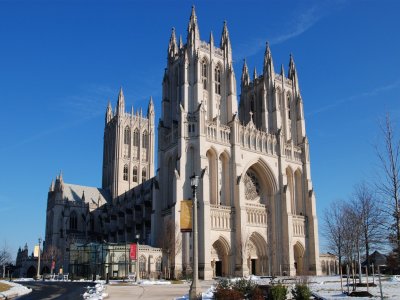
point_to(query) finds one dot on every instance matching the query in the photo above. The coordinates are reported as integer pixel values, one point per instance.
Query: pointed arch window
(217, 80)
(288, 107)
(136, 138)
(73, 221)
(134, 174)
(252, 106)
(125, 175)
(144, 175)
(127, 135)
(145, 140)
(204, 73)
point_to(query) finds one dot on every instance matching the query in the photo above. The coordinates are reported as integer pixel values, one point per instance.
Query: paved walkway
(152, 292)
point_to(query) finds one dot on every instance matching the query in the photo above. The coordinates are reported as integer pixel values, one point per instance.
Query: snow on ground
(207, 295)
(98, 292)
(141, 282)
(16, 290)
(327, 287)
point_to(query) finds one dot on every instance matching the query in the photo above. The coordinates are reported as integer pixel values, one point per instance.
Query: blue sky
(61, 61)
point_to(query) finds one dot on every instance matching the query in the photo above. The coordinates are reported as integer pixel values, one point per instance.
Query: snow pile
(153, 282)
(207, 295)
(95, 293)
(15, 290)
(23, 279)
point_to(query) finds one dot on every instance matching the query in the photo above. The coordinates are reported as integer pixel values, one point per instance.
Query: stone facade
(256, 201)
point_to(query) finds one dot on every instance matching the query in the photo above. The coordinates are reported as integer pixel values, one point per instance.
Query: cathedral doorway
(31, 272)
(218, 268)
(253, 266)
(219, 256)
(298, 251)
(257, 254)
(45, 270)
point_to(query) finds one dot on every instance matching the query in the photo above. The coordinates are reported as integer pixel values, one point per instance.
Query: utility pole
(195, 287)
(38, 268)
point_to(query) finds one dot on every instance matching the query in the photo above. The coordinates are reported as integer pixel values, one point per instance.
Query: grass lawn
(4, 287)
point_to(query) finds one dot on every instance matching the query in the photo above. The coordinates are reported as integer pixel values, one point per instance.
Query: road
(48, 290)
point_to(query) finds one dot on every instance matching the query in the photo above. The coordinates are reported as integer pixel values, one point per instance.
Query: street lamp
(137, 258)
(195, 287)
(38, 268)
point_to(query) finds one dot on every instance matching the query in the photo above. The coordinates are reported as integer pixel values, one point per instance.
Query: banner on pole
(36, 251)
(132, 252)
(186, 215)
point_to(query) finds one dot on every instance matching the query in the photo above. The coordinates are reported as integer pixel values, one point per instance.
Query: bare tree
(5, 257)
(334, 229)
(171, 242)
(389, 185)
(371, 218)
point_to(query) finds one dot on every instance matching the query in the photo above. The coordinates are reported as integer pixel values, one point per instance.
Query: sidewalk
(152, 292)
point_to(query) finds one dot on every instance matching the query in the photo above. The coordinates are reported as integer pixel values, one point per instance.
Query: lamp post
(195, 287)
(137, 258)
(38, 267)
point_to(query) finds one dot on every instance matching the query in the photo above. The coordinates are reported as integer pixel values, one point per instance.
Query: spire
(293, 74)
(282, 71)
(172, 47)
(225, 35)
(150, 109)
(109, 112)
(193, 28)
(180, 42)
(225, 41)
(255, 74)
(292, 67)
(121, 102)
(245, 74)
(211, 39)
(268, 63)
(51, 189)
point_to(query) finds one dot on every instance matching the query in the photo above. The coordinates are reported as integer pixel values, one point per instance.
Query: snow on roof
(93, 195)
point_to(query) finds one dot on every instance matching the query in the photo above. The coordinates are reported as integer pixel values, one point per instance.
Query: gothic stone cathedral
(256, 201)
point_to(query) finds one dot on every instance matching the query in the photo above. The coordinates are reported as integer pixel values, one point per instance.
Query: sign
(133, 251)
(36, 251)
(186, 215)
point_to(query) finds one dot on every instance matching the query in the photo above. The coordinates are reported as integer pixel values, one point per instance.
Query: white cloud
(370, 93)
(301, 22)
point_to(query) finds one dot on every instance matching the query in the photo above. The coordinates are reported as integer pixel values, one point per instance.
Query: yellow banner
(186, 215)
(36, 251)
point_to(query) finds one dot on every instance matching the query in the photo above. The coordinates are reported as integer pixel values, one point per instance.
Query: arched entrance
(219, 258)
(31, 272)
(257, 257)
(45, 270)
(298, 251)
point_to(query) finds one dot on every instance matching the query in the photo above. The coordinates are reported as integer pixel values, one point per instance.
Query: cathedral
(256, 202)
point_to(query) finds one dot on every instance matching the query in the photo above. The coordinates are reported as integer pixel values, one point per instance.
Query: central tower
(128, 153)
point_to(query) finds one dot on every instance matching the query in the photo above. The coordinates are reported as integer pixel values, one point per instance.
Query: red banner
(132, 252)
(53, 265)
